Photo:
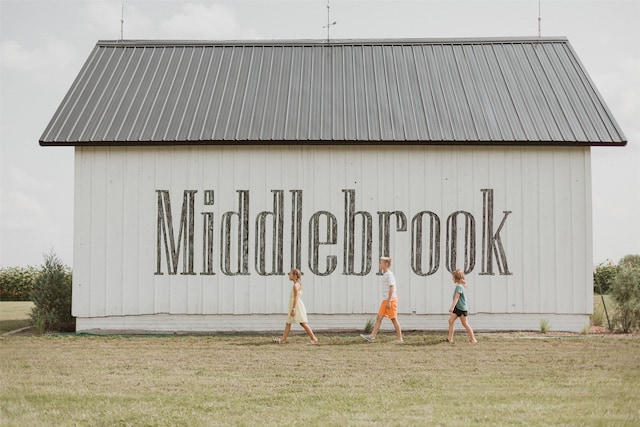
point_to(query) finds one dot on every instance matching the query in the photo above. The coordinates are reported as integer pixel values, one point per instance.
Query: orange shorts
(390, 312)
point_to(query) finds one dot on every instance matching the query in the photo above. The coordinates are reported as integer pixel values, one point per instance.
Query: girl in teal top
(458, 307)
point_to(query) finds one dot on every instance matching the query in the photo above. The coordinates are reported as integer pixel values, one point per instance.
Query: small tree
(603, 275)
(625, 291)
(630, 261)
(52, 297)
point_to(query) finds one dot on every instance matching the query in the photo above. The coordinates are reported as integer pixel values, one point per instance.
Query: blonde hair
(386, 259)
(458, 277)
(297, 274)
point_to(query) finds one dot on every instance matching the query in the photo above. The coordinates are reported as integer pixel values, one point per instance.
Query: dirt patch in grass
(599, 330)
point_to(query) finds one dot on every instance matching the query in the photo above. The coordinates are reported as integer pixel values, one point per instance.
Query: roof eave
(332, 142)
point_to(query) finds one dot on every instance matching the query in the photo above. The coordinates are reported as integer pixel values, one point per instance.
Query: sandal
(278, 341)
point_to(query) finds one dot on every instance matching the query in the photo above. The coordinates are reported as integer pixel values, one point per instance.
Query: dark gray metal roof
(524, 91)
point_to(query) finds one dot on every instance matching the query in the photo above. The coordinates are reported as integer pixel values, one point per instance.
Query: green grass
(599, 316)
(505, 379)
(14, 315)
(508, 379)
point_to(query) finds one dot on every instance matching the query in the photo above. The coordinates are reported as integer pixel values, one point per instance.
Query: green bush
(625, 292)
(545, 326)
(368, 327)
(630, 261)
(603, 275)
(51, 297)
(16, 283)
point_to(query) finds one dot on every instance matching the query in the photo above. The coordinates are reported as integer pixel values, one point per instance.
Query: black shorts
(459, 312)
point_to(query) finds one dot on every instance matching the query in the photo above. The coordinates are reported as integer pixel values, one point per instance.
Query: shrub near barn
(625, 292)
(622, 282)
(51, 297)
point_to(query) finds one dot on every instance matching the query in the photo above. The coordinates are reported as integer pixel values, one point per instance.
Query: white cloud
(104, 20)
(200, 21)
(616, 170)
(15, 56)
(22, 211)
(20, 180)
(38, 61)
(189, 21)
(21, 208)
(34, 218)
(620, 87)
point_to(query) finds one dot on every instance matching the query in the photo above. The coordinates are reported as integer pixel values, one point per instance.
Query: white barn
(205, 171)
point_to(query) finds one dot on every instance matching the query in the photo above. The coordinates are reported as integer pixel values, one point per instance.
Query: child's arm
(455, 301)
(391, 288)
(296, 289)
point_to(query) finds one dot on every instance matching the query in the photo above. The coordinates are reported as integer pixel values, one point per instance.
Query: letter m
(166, 236)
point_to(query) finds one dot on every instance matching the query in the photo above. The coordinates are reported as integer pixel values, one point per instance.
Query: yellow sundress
(301, 311)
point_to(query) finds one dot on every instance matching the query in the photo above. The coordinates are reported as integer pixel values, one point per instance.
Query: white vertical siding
(546, 237)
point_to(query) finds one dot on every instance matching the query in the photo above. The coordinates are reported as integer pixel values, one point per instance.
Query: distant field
(505, 379)
(14, 315)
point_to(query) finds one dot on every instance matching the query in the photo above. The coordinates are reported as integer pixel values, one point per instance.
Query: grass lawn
(14, 315)
(506, 379)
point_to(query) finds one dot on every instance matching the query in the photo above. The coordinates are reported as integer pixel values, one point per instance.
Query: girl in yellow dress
(297, 311)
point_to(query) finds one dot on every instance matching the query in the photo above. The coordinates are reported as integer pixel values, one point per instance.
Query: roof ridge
(336, 42)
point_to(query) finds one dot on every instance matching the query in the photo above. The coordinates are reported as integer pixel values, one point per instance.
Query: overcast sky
(45, 43)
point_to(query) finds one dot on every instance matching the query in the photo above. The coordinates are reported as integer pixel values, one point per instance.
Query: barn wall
(130, 271)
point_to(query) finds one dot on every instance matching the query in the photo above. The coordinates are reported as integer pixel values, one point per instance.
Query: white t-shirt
(387, 280)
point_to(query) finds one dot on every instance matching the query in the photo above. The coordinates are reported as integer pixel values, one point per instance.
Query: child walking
(389, 305)
(459, 306)
(297, 310)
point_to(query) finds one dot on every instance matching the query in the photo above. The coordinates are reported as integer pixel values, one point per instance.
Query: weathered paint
(517, 218)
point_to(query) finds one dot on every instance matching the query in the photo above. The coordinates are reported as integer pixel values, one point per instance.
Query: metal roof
(524, 91)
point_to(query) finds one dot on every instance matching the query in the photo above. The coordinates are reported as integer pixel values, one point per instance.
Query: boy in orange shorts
(389, 305)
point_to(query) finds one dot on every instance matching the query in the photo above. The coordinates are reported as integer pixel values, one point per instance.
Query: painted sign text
(177, 240)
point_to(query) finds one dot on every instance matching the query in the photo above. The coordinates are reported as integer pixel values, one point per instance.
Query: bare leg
(376, 327)
(309, 332)
(466, 325)
(396, 325)
(452, 320)
(287, 329)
